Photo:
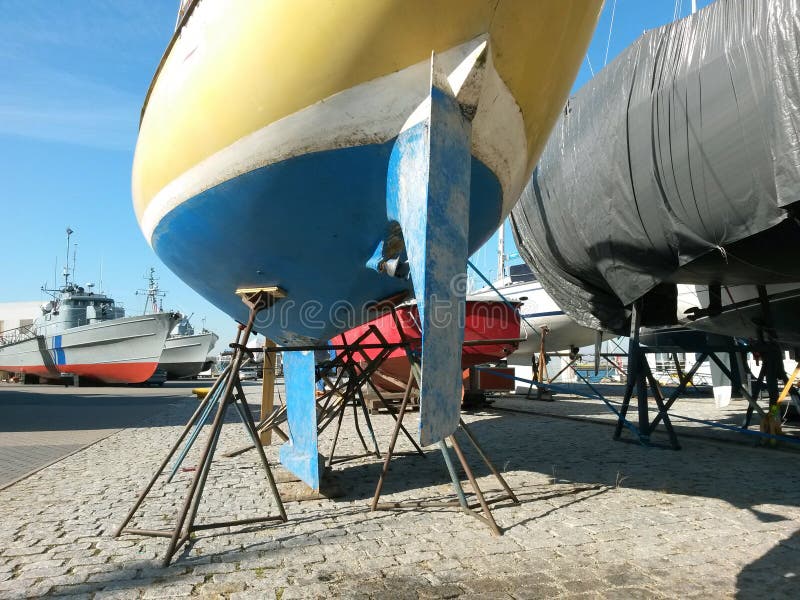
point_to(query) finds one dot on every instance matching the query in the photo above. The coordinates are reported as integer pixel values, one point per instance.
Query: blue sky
(74, 74)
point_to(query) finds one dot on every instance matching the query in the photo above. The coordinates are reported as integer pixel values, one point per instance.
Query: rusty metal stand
(469, 508)
(232, 395)
(360, 368)
(344, 378)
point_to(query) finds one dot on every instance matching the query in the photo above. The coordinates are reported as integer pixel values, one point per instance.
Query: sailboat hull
(492, 321)
(263, 160)
(678, 164)
(320, 249)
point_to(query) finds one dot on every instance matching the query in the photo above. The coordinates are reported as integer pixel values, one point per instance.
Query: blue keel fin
(428, 187)
(300, 454)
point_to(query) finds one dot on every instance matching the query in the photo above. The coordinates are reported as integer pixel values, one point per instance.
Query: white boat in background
(86, 334)
(185, 353)
(539, 313)
(737, 311)
(543, 323)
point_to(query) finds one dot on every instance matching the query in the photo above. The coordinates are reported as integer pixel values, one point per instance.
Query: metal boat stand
(772, 362)
(226, 391)
(360, 368)
(343, 379)
(770, 374)
(639, 376)
(469, 508)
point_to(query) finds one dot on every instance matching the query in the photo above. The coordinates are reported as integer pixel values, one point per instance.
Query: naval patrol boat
(86, 334)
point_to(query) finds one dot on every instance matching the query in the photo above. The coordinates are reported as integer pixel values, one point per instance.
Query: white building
(18, 314)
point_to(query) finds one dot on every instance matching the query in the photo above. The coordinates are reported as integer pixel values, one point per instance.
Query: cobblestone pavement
(597, 519)
(41, 424)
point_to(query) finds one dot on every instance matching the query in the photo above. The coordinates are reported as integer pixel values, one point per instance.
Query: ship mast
(66, 264)
(153, 293)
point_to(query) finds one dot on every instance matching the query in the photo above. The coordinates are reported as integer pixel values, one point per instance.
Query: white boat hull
(123, 350)
(186, 355)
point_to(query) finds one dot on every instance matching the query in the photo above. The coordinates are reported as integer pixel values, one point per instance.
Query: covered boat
(678, 164)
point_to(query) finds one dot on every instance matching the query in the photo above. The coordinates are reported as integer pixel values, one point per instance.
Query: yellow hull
(235, 70)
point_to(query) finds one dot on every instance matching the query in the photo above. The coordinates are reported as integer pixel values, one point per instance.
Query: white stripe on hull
(371, 113)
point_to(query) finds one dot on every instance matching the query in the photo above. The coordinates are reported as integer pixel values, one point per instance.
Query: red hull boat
(494, 321)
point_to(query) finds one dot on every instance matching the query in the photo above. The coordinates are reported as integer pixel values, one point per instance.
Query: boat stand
(226, 392)
(343, 378)
(639, 376)
(469, 508)
(360, 369)
(772, 363)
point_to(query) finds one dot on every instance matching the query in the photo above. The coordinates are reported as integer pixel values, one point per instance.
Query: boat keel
(428, 188)
(301, 454)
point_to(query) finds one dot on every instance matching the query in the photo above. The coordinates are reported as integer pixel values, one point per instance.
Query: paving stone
(440, 591)
(169, 591)
(712, 520)
(23, 551)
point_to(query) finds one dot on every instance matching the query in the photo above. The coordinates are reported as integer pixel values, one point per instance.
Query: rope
(596, 395)
(610, 29)
(589, 62)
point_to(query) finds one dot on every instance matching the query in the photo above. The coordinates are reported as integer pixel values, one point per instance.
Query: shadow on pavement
(774, 575)
(583, 454)
(51, 408)
(579, 462)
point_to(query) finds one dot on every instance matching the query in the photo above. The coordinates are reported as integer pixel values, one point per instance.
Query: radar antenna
(153, 293)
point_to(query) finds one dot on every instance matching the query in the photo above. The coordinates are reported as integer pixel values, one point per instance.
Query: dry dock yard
(597, 519)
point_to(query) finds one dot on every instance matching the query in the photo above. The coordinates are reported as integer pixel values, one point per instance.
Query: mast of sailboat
(501, 252)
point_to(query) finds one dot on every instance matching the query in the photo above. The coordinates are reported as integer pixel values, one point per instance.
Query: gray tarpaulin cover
(684, 145)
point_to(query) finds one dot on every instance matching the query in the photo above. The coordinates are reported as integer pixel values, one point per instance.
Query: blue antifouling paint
(327, 215)
(300, 454)
(428, 189)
